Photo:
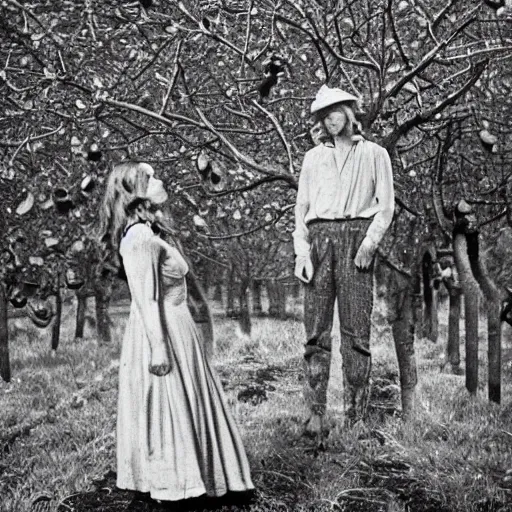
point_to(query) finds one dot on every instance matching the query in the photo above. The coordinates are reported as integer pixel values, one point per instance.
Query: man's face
(335, 121)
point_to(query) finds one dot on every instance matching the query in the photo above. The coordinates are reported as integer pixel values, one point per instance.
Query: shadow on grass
(291, 473)
(356, 472)
(106, 497)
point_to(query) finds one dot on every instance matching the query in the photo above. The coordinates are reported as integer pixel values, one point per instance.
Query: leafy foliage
(87, 82)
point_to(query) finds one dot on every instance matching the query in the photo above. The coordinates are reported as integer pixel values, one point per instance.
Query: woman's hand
(160, 362)
(365, 253)
(304, 268)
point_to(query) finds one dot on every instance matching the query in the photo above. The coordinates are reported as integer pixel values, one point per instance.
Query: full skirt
(176, 438)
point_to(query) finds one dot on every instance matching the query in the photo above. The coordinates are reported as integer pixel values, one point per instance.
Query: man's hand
(304, 268)
(160, 362)
(365, 253)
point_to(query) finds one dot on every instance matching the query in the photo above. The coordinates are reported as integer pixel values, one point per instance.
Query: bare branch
(494, 4)
(90, 22)
(18, 149)
(280, 131)
(483, 51)
(174, 78)
(494, 219)
(267, 170)
(406, 207)
(204, 256)
(247, 35)
(250, 231)
(246, 188)
(153, 60)
(415, 121)
(410, 147)
(315, 40)
(167, 119)
(442, 13)
(19, 145)
(136, 139)
(217, 37)
(392, 265)
(429, 57)
(30, 13)
(396, 37)
(437, 199)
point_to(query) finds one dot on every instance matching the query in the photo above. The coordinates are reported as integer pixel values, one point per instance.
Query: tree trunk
(402, 317)
(453, 345)
(430, 318)
(102, 298)
(493, 312)
(58, 316)
(217, 293)
(494, 350)
(470, 289)
(231, 311)
(207, 278)
(257, 307)
(5, 365)
(276, 299)
(245, 316)
(198, 304)
(81, 308)
(296, 290)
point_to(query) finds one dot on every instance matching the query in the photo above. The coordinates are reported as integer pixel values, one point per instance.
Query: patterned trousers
(334, 245)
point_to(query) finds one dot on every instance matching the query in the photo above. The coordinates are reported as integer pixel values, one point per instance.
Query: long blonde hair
(125, 191)
(127, 181)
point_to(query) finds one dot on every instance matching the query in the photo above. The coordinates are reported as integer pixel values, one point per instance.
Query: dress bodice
(174, 289)
(153, 267)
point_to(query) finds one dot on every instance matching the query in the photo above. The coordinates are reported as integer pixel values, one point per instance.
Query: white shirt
(353, 182)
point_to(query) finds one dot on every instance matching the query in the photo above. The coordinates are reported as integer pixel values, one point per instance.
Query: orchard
(215, 95)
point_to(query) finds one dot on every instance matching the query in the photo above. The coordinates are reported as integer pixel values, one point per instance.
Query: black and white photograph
(256, 255)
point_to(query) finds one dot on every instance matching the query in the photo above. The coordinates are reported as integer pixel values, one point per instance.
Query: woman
(345, 204)
(176, 438)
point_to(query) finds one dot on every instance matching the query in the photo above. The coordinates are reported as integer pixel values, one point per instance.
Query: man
(345, 204)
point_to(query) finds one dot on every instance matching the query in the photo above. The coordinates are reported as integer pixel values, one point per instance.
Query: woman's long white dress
(176, 438)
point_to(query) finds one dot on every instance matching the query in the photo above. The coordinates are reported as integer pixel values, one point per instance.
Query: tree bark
(81, 308)
(453, 345)
(257, 307)
(402, 316)
(494, 350)
(102, 299)
(245, 316)
(5, 365)
(276, 299)
(207, 278)
(493, 312)
(471, 290)
(231, 311)
(217, 294)
(198, 305)
(430, 318)
(58, 316)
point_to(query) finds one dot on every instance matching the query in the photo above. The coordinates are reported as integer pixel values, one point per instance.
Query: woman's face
(335, 121)
(155, 192)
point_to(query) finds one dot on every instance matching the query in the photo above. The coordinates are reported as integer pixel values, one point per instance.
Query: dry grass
(58, 421)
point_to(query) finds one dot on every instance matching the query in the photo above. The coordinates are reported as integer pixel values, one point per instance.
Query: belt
(345, 219)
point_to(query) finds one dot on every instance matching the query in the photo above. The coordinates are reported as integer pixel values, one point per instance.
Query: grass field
(58, 416)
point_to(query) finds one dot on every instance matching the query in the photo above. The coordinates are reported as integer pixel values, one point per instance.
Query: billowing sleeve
(385, 195)
(149, 254)
(301, 232)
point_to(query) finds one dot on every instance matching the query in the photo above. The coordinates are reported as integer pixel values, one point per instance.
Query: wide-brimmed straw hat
(327, 96)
